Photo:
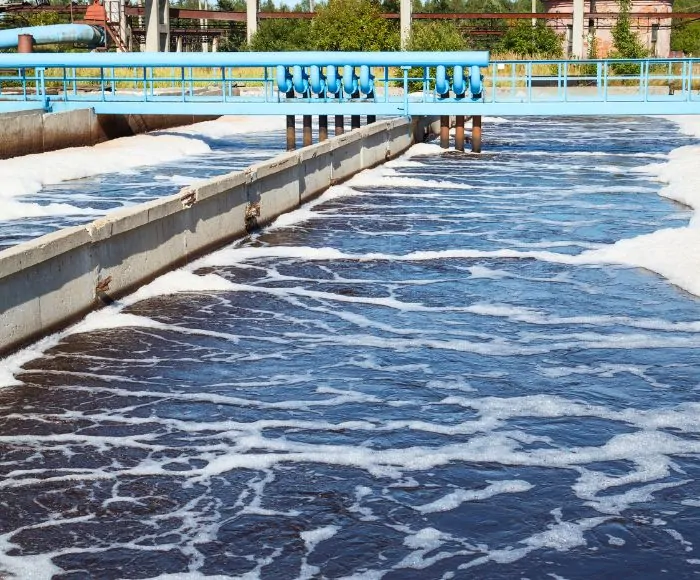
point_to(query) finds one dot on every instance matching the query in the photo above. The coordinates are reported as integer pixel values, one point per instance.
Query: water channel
(427, 373)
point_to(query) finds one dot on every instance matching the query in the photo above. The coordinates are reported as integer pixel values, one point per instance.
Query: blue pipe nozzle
(332, 80)
(366, 80)
(349, 79)
(284, 79)
(317, 80)
(300, 80)
(442, 81)
(475, 81)
(458, 84)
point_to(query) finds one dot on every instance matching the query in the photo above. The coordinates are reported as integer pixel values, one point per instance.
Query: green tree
(626, 44)
(435, 35)
(685, 36)
(279, 35)
(232, 5)
(344, 25)
(432, 35)
(524, 39)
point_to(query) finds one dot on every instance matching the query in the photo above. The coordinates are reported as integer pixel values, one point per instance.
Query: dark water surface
(407, 384)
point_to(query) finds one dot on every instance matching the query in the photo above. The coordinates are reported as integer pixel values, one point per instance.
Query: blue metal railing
(398, 83)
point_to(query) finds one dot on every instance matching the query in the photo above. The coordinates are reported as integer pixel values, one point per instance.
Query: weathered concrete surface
(36, 132)
(49, 282)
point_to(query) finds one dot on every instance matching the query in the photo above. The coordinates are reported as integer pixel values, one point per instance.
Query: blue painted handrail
(245, 59)
(397, 83)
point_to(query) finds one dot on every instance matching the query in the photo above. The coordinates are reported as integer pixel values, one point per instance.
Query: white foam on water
(30, 173)
(237, 255)
(458, 497)
(11, 209)
(311, 539)
(230, 125)
(672, 253)
(424, 150)
(111, 317)
(180, 179)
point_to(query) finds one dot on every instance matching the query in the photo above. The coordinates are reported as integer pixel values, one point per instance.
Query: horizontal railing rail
(397, 83)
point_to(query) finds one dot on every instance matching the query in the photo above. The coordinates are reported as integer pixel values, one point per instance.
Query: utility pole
(405, 22)
(251, 19)
(577, 30)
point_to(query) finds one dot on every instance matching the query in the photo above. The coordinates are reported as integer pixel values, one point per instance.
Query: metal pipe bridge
(337, 83)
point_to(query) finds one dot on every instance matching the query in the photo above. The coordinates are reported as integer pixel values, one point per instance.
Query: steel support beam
(306, 130)
(445, 131)
(322, 128)
(459, 132)
(476, 134)
(339, 124)
(291, 128)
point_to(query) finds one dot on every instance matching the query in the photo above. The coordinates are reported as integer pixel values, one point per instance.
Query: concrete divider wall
(49, 282)
(28, 132)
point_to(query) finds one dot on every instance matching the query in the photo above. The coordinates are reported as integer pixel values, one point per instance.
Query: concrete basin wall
(28, 132)
(50, 282)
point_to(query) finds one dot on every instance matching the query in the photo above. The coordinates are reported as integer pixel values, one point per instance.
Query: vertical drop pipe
(476, 134)
(306, 130)
(459, 132)
(291, 128)
(445, 131)
(322, 128)
(355, 119)
(339, 125)
(25, 43)
(371, 118)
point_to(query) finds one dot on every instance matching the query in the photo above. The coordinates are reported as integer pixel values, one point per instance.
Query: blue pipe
(318, 81)
(284, 79)
(55, 34)
(442, 82)
(349, 79)
(332, 80)
(475, 78)
(458, 84)
(242, 59)
(366, 80)
(300, 80)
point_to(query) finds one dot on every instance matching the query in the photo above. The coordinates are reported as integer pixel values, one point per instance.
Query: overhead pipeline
(55, 34)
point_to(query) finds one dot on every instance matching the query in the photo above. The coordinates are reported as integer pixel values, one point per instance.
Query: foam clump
(29, 174)
(456, 498)
(673, 253)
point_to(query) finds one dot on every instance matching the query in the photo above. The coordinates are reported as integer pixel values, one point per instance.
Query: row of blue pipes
(330, 83)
